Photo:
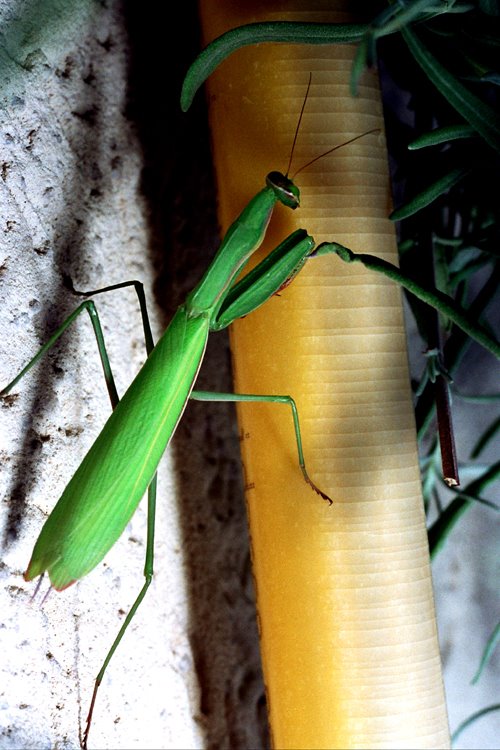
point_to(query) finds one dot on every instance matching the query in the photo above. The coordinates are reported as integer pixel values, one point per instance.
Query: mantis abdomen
(129, 448)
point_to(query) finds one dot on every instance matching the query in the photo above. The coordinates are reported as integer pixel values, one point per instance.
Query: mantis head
(285, 190)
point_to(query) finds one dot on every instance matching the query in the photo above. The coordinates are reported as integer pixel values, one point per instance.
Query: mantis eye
(286, 191)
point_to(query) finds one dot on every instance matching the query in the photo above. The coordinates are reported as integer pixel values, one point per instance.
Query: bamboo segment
(344, 593)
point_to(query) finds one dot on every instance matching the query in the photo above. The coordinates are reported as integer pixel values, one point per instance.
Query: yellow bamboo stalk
(344, 594)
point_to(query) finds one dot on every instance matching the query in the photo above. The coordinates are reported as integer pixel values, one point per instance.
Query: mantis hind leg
(90, 307)
(151, 514)
(288, 400)
(148, 577)
(139, 290)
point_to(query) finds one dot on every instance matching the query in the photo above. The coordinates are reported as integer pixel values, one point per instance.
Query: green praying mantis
(121, 465)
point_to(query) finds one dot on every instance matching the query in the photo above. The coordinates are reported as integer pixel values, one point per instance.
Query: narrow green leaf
(442, 135)
(256, 33)
(440, 529)
(430, 194)
(359, 63)
(474, 498)
(491, 78)
(483, 399)
(472, 719)
(493, 642)
(479, 114)
(402, 15)
(486, 438)
(464, 255)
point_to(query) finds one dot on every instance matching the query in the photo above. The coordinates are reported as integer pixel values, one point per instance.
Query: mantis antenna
(325, 153)
(298, 125)
(345, 143)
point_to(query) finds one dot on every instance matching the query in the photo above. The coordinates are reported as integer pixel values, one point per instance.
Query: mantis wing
(104, 492)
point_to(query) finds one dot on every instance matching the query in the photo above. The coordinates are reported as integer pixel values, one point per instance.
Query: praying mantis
(121, 465)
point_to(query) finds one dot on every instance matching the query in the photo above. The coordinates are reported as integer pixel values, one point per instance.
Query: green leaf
(442, 135)
(256, 33)
(486, 437)
(471, 719)
(491, 78)
(480, 115)
(474, 498)
(399, 15)
(440, 529)
(430, 194)
(360, 62)
(493, 642)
